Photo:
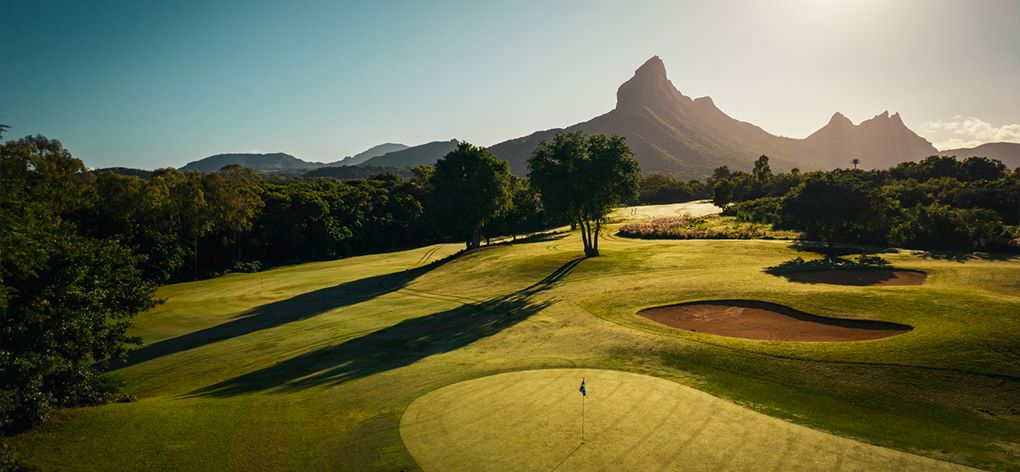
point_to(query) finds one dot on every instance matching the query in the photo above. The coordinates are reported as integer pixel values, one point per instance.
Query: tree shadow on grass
(957, 256)
(271, 315)
(542, 237)
(838, 250)
(942, 255)
(395, 346)
(829, 262)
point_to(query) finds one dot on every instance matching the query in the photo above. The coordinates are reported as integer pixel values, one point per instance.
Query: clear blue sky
(150, 84)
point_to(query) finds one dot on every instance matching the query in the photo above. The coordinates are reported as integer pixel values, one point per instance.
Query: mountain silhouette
(424, 154)
(275, 162)
(881, 142)
(369, 153)
(675, 134)
(1008, 153)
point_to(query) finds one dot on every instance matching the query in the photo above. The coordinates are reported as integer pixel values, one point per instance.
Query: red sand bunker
(762, 320)
(859, 277)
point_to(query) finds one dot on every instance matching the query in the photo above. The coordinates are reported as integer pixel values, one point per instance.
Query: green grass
(632, 421)
(312, 366)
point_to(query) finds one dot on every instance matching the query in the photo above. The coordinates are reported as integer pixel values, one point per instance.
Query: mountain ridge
(1008, 153)
(675, 134)
(367, 154)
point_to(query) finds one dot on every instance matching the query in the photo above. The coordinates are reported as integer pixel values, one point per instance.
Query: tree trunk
(590, 244)
(584, 236)
(476, 239)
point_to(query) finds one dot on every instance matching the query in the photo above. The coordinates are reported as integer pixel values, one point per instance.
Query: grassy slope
(312, 366)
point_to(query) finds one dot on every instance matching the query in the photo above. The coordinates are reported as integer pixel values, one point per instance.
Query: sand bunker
(762, 320)
(859, 277)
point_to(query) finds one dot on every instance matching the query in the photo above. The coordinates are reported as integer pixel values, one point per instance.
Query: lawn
(313, 366)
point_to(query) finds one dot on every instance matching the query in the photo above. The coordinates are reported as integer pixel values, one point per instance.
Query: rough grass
(312, 366)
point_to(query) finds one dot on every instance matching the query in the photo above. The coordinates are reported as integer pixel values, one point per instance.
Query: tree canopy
(470, 188)
(832, 205)
(66, 299)
(582, 177)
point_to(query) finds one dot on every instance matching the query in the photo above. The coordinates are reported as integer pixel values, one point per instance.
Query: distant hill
(1008, 153)
(275, 163)
(367, 154)
(424, 154)
(881, 142)
(675, 134)
(357, 172)
(145, 174)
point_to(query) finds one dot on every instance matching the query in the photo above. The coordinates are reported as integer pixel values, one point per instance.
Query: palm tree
(855, 161)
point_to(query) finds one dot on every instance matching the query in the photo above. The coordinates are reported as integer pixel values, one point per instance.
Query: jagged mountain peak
(652, 67)
(885, 120)
(649, 88)
(839, 119)
(675, 134)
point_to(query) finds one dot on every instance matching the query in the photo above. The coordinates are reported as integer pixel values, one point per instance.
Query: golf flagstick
(584, 393)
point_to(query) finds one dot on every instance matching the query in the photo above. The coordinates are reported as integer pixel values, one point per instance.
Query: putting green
(531, 420)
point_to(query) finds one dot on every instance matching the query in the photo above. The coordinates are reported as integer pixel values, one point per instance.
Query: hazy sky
(149, 84)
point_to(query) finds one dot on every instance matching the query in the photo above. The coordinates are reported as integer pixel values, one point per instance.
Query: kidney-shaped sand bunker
(762, 320)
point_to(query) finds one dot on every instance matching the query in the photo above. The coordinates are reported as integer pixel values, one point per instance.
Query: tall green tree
(582, 177)
(833, 206)
(185, 216)
(234, 197)
(469, 188)
(762, 172)
(66, 299)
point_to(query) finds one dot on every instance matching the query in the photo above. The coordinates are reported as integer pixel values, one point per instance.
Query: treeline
(192, 225)
(939, 203)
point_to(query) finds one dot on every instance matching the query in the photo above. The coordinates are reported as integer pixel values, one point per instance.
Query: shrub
(762, 210)
(834, 207)
(8, 461)
(938, 226)
(247, 266)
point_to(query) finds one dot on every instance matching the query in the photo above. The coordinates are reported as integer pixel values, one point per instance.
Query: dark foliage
(468, 190)
(358, 172)
(940, 227)
(66, 298)
(582, 177)
(833, 206)
(939, 203)
(655, 189)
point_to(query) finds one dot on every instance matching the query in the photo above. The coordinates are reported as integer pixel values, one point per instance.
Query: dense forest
(84, 251)
(938, 204)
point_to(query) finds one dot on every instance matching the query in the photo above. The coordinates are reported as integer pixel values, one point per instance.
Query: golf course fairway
(531, 420)
(359, 363)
